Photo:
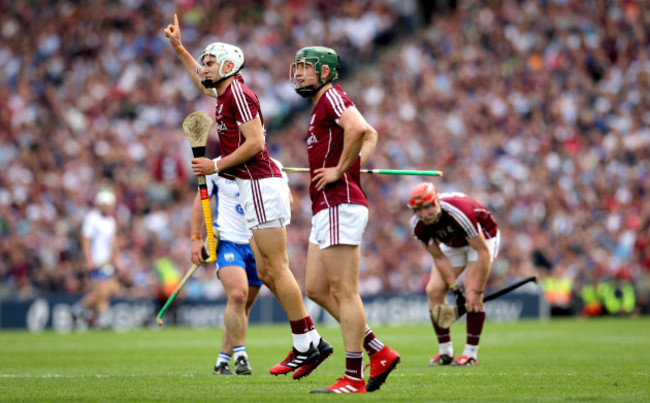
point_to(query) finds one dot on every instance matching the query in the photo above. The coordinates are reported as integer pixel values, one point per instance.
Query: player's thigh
(253, 292)
(272, 246)
(234, 281)
(315, 276)
(436, 288)
(105, 287)
(341, 266)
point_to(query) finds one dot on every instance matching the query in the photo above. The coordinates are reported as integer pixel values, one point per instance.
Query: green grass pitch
(558, 360)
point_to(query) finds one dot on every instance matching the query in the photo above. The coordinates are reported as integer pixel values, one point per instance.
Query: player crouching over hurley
(462, 237)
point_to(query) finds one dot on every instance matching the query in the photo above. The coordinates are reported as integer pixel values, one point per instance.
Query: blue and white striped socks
(223, 357)
(239, 351)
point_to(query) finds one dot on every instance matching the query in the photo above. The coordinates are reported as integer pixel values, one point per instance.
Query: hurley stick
(379, 171)
(445, 315)
(197, 127)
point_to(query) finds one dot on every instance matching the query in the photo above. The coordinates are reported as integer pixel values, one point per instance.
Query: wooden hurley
(197, 127)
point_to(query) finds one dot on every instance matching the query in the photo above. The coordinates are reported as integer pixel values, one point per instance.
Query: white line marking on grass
(536, 374)
(44, 376)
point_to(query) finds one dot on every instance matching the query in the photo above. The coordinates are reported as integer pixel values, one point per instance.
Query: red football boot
(441, 359)
(344, 385)
(295, 360)
(381, 364)
(465, 361)
(325, 350)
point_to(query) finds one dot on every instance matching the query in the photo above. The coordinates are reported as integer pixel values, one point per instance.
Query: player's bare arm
(254, 134)
(85, 246)
(477, 274)
(254, 144)
(443, 264)
(173, 33)
(196, 227)
(355, 128)
(369, 144)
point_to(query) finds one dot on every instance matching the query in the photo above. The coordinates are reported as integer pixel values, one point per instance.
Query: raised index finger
(175, 20)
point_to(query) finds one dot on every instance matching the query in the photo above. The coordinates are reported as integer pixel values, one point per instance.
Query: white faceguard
(224, 52)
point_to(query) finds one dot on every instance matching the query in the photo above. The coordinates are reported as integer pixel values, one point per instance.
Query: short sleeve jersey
(230, 214)
(100, 230)
(325, 146)
(462, 218)
(236, 106)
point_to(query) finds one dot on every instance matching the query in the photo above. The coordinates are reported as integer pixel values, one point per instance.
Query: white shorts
(459, 257)
(342, 224)
(265, 202)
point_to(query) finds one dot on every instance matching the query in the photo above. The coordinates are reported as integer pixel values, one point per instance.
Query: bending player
(339, 141)
(463, 238)
(264, 195)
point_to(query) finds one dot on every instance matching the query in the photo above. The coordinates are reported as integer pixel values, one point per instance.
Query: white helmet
(224, 52)
(105, 197)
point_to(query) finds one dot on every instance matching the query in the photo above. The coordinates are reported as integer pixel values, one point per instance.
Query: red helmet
(423, 193)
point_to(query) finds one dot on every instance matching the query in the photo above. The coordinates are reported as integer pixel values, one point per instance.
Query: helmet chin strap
(308, 91)
(210, 83)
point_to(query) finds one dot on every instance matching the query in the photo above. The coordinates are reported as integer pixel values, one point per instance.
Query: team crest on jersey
(221, 127)
(311, 140)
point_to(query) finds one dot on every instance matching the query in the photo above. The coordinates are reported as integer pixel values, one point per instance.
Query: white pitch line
(45, 376)
(462, 373)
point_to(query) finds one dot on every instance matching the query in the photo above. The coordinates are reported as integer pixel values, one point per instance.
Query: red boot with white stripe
(344, 384)
(381, 364)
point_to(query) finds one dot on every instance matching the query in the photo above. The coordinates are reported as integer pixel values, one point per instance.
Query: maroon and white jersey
(325, 145)
(462, 218)
(236, 106)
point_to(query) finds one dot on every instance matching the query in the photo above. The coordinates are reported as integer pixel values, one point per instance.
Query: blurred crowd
(538, 109)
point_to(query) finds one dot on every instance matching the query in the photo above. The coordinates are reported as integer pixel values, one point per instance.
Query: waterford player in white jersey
(236, 267)
(100, 249)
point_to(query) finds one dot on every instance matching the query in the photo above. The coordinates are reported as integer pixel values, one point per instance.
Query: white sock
(470, 350)
(446, 348)
(301, 341)
(223, 357)
(239, 351)
(314, 336)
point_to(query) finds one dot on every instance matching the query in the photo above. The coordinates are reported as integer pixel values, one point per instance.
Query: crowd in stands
(538, 109)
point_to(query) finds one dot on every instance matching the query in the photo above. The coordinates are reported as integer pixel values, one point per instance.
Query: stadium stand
(540, 109)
